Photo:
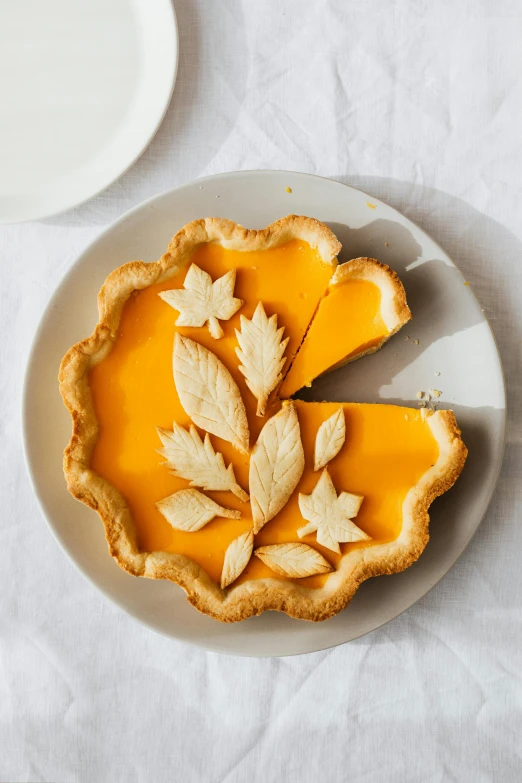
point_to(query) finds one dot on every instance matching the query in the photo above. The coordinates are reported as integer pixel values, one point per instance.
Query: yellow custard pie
(188, 444)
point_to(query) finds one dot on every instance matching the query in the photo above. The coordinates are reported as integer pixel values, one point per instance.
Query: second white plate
(84, 87)
(451, 348)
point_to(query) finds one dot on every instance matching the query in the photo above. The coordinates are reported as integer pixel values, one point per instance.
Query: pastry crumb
(288, 190)
(466, 282)
(422, 404)
(416, 342)
(372, 206)
(434, 392)
(420, 395)
(406, 338)
(437, 373)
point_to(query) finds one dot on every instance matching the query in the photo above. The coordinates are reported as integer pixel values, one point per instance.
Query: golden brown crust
(254, 596)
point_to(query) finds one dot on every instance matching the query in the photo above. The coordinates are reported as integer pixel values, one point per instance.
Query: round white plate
(454, 339)
(85, 85)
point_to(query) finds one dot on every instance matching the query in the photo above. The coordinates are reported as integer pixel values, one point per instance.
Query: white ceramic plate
(454, 340)
(85, 85)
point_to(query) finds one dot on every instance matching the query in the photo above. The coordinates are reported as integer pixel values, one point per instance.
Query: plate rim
(45, 214)
(25, 407)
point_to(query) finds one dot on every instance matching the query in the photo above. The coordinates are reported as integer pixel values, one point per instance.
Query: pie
(188, 442)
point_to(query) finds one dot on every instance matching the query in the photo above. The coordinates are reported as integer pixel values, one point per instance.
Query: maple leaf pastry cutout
(202, 301)
(331, 515)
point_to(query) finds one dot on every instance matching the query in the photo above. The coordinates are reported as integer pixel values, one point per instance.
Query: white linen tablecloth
(419, 103)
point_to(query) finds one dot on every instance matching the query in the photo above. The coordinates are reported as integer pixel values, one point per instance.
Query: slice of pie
(203, 469)
(362, 307)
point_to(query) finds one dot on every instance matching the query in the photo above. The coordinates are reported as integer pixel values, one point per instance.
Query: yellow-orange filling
(387, 448)
(347, 323)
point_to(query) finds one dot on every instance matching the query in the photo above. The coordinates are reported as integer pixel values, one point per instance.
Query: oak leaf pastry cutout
(276, 465)
(331, 515)
(190, 510)
(208, 393)
(329, 439)
(202, 301)
(293, 560)
(195, 460)
(237, 557)
(260, 352)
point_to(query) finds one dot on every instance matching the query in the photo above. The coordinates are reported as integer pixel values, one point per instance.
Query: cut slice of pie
(201, 472)
(363, 306)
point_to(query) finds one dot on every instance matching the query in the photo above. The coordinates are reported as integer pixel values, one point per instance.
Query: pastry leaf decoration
(330, 515)
(237, 556)
(276, 465)
(202, 301)
(209, 394)
(329, 439)
(293, 560)
(260, 352)
(195, 460)
(190, 510)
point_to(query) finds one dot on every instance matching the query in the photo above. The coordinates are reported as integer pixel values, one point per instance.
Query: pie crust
(253, 596)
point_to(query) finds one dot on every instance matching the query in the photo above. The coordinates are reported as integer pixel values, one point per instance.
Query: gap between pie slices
(282, 283)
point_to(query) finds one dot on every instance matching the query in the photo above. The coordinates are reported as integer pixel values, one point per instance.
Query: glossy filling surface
(387, 448)
(348, 322)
